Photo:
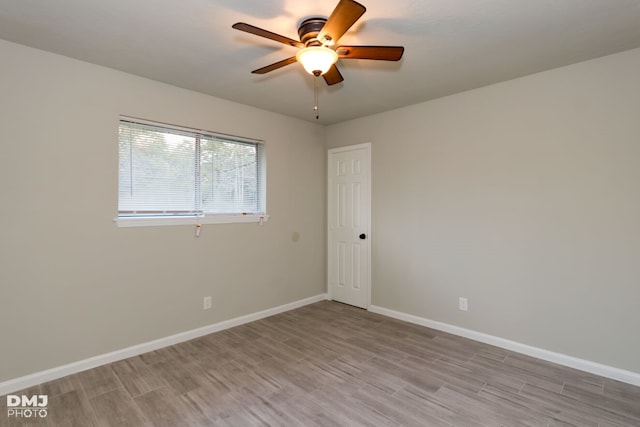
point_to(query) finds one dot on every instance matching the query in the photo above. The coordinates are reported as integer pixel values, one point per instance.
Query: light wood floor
(334, 365)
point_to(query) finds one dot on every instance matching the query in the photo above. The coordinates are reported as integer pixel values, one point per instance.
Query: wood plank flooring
(329, 364)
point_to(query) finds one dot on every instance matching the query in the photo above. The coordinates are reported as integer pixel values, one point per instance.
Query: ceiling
(450, 45)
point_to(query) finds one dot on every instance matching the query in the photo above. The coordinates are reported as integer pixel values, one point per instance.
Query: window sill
(212, 219)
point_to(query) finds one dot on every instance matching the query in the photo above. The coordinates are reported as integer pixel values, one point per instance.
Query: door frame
(367, 146)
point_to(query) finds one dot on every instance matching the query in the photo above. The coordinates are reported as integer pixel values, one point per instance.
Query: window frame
(204, 218)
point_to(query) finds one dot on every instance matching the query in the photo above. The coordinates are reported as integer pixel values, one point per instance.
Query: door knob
(363, 236)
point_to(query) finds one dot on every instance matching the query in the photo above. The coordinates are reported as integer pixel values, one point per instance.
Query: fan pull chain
(315, 96)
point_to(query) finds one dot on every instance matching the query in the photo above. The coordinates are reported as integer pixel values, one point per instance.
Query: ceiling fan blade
(266, 34)
(346, 13)
(275, 66)
(333, 76)
(381, 53)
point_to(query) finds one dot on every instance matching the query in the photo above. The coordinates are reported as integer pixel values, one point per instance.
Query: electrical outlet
(463, 304)
(206, 303)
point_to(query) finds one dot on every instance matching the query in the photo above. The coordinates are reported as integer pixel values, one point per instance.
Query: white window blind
(166, 171)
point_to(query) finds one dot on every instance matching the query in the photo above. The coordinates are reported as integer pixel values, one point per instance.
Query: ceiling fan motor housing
(309, 29)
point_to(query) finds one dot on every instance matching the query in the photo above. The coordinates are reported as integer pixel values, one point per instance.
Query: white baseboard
(103, 359)
(550, 356)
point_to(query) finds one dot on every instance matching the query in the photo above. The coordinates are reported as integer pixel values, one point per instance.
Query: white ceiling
(450, 45)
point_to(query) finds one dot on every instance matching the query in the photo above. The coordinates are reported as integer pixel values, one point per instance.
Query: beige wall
(523, 197)
(72, 284)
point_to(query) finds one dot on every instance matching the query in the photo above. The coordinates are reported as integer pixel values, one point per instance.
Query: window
(175, 174)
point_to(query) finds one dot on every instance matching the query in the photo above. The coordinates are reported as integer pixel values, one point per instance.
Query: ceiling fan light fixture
(317, 60)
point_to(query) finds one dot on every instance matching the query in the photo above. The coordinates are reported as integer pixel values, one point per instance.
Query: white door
(349, 225)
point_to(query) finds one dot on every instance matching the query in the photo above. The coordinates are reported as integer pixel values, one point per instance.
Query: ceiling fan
(318, 37)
